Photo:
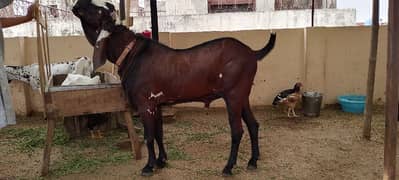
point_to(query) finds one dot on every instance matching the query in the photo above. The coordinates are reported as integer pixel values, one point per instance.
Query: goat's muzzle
(99, 54)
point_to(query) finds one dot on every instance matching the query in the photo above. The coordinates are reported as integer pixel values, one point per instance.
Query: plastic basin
(352, 103)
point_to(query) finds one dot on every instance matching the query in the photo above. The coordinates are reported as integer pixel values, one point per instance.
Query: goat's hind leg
(234, 113)
(253, 127)
(148, 118)
(162, 157)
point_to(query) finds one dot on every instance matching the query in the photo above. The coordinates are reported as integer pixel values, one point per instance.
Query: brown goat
(154, 75)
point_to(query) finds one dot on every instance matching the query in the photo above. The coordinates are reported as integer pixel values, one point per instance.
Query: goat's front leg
(148, 118)
(162, 157)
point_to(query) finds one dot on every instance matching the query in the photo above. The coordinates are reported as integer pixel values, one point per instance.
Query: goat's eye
(100, 12)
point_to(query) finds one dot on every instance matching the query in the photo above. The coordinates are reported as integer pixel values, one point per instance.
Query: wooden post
(154, 20)
(51, 118)
(391, 106)
(129, 20)
(368, 115)
(134, 139)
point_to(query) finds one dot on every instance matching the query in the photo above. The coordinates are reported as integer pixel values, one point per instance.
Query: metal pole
(154, 20)
(312, 13)
(122, 10)
(391, 106)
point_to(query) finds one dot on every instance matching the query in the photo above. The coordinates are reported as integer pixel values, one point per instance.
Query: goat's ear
(110, 6)
(99, 54)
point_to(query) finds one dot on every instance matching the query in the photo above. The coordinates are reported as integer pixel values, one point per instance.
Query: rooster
(289, 97)
(94, 124)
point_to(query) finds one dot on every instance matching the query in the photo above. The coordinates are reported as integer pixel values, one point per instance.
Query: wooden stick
(391, 107)
(49, 141)
(134, 139)
(368, 115)
(128, 20)
(40, 57)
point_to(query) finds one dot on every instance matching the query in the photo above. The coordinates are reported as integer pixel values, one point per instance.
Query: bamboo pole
(40, 54)
(368, 115)
(391, 107)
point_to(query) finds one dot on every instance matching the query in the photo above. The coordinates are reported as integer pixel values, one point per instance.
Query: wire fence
(61, 21)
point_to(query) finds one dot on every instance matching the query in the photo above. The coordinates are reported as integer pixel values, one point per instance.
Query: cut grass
(77, 156)
(174, 153)
(28, 140)
(87, 155)
(78, 163)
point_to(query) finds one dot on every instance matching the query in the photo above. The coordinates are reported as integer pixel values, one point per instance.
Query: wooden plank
(83, 87)
(133, 137)
(391, 107)
(89, 101)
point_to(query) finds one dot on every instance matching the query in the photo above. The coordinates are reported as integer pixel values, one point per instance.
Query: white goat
(77, 79)
(30, 73)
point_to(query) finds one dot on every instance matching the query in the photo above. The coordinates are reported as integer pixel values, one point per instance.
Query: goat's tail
(260, 54)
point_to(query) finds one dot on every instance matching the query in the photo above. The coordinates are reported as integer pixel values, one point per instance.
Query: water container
(311, 102)
(352, 103)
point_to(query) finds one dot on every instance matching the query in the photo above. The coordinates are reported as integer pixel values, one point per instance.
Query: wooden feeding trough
(65, 101)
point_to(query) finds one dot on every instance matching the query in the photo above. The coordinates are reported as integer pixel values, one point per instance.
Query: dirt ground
(198, 143)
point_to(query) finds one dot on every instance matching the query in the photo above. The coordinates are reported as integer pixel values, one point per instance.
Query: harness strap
(125, 53)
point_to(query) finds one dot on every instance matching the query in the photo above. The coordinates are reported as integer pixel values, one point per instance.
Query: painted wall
(264, 5)
(248, 20)
(180, 7)
(333, 61)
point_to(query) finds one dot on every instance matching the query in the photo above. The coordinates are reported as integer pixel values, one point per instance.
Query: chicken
(289, 97)
(95, 121)
(291, 102)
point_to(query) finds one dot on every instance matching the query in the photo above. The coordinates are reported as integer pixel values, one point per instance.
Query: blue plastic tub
(352, 103)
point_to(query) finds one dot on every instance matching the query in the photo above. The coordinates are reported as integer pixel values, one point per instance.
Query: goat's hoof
(147, 171)
(252, 165)
(227, 172)
(161, 163)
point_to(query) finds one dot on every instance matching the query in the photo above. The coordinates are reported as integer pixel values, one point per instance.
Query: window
(295, 4)
(218, 6)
